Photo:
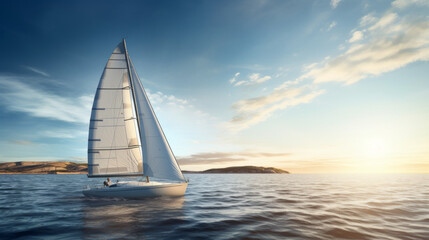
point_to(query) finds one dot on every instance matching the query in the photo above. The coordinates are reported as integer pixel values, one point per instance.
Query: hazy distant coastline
(82, 168)
(43, 168)
(241, 169)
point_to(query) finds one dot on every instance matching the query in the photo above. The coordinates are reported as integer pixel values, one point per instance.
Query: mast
(132, 90)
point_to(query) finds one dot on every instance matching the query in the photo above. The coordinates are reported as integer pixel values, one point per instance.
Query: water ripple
(222, 207)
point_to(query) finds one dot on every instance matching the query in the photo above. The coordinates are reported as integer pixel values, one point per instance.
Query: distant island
(241, 169)
(82, 168)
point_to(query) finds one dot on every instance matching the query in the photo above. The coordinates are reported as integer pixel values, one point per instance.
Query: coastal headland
(59, 167)
(241, 169)
(47, 167)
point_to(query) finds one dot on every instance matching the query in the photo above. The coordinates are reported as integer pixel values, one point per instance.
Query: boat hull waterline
(138, 191)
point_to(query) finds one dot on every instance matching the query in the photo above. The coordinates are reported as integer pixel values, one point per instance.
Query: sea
(222, 206)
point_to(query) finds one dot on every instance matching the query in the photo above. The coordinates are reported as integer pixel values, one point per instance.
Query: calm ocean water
(222, 206)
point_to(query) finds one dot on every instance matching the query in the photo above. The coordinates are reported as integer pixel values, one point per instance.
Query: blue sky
(308, 86)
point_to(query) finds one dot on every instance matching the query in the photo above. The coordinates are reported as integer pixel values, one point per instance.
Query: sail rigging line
(114, 133)
(156, 119)
(115, 175)
(115, 152)
(118, 148)
(124, 88)
(116, 118)
(109, 126)
(127, 59)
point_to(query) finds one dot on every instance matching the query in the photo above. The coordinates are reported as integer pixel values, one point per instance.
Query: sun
(376, 148)
(375, 155)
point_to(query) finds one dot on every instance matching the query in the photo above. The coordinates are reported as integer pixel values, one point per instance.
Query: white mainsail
(113, 145)
(125, 137)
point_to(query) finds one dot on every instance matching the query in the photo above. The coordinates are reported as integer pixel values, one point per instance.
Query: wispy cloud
(384, 21)
(62, 133)
(207, 155)
(197, 161)
(306, 67)
(158, 98)
(392, 42)
(38, 71)
(225, 157)
(406, 3)
(165, 102)
(254, 79)
(255, 110)
(21, 97)
(367, 19)
(378, 45)
(22, 142)
(334, 3)
(234, 79)
(357, 35)
(174, 111)
(332, 25)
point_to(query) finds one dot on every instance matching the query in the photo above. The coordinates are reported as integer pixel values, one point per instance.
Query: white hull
(137, 190)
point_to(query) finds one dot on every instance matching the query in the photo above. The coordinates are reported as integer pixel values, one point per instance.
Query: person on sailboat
(107, 183)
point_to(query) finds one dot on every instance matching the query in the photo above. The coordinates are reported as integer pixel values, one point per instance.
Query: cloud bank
(225, 157)
(22, 142)
(234, 79)
(254, 79)
(20, 97)
(393, 42)
(254, 110)
(334, 3)
(158, 98)
(38, 71)
(378, 45)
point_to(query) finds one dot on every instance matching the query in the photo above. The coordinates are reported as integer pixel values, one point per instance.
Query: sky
(308, 86)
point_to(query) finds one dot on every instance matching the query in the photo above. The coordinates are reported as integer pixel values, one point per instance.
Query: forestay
(114, 146)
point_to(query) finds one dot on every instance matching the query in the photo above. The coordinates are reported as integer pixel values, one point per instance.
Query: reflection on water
(120, 218)
(222, 206)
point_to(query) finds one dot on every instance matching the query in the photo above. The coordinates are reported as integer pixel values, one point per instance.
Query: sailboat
(125, 138)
